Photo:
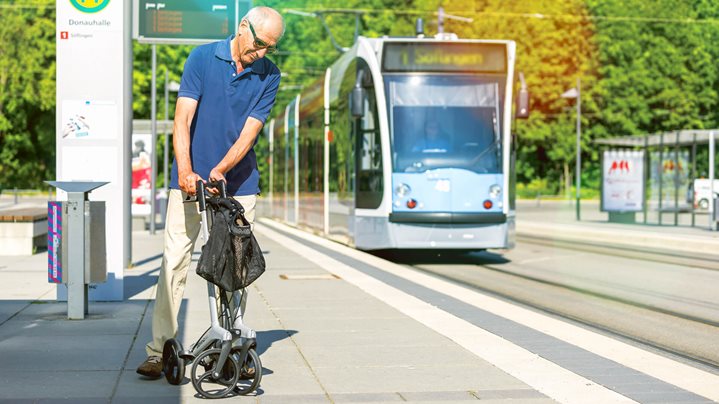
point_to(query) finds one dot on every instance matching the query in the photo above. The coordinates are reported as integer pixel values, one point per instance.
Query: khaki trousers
(182, 226)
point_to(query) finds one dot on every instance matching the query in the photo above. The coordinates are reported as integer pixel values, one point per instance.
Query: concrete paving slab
(65, 354)
(429, 377)
(367, 398)
(156, 400)
(523, 401)
(388, 325)
(52, 310)
(294, 399)
(9, 308)
(71, 401)
(280, 379)
(61, 327)
(390, 356)
(132, 385)
(439, 396)
(65, 384)
(284, 356)
(515, 394)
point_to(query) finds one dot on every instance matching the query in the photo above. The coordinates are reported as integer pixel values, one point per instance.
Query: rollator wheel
(214, 387)
(250, 373)
(172, 364)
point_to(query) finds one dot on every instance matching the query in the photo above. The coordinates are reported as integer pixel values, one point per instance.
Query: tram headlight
(494, 191)
(402, 190)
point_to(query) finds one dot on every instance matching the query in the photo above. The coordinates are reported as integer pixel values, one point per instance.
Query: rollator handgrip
(218, 184)
(200, 192)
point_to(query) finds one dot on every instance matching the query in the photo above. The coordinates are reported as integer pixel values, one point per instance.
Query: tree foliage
(27, 93)
(645, 67)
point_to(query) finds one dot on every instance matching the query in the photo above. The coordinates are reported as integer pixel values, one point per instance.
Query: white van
(700, 193)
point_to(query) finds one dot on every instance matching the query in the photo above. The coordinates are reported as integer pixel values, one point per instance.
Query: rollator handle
(200, 192)
(218, 184)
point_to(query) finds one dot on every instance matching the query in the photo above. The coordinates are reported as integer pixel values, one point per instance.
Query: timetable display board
(432, 56)
(187, 21)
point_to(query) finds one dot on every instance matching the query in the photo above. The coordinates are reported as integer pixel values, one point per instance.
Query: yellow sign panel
(89, 6)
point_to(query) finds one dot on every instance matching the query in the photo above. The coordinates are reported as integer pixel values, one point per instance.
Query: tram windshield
(445, 121)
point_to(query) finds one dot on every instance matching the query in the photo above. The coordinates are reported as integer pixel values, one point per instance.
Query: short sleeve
(191, 83)
(262, 109)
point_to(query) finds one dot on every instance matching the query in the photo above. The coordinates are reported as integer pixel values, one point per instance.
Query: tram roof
(673, 138)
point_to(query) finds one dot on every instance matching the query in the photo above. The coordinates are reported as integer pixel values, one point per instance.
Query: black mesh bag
(231, 259)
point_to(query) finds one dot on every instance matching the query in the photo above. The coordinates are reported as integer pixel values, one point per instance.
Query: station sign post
(94, 120)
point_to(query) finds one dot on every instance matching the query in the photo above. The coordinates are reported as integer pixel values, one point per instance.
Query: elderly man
(227, 91)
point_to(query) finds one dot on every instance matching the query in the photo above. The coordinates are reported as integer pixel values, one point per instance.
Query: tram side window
(370, 184)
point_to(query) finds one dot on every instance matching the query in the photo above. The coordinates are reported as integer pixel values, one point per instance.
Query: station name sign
(444, 57)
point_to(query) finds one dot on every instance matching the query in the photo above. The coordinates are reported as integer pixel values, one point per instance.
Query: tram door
(370, 180)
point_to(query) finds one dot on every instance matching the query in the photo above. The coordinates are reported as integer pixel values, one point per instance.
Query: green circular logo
(89, 6)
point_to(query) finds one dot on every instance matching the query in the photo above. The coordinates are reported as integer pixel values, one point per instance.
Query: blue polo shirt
(225, 101)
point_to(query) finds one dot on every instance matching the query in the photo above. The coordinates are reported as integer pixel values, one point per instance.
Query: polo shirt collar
(222, 51)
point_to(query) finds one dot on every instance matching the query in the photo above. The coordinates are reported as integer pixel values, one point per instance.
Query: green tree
(27, 93)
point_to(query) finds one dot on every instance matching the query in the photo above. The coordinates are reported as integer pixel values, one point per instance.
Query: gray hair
(258, 15)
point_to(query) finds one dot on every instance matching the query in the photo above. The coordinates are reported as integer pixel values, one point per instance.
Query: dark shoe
(151, 367)
(247, 373)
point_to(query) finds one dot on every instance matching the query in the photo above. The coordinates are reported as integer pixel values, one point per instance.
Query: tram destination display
(186, 21)
(444, 57)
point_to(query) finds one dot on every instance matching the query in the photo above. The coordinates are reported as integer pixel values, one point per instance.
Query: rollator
(223, 361)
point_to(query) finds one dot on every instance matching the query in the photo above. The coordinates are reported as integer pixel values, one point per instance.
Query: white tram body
(357, 157)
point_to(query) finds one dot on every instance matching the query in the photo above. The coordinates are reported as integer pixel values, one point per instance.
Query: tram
(405, 143)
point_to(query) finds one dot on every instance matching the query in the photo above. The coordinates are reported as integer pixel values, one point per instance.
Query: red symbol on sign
(670, 165)
(622, 166)
(63, 35)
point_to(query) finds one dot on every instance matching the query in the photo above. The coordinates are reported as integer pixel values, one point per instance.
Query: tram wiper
(495, 145)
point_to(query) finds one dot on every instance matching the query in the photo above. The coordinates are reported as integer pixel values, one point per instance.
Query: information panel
(444, 57)
(187, 21)
(623, 181)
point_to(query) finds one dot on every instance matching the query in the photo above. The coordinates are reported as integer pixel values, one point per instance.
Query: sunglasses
(260, 44)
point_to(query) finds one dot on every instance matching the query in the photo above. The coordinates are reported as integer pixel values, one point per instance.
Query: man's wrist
(184, 171)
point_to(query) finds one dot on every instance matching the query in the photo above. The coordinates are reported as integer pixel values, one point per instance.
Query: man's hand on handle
(188, 182)
(216, 176)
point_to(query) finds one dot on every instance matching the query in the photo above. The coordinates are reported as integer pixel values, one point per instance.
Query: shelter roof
(678, 138)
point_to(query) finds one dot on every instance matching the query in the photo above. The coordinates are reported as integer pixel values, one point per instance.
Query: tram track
(702, 261)
(493, 280)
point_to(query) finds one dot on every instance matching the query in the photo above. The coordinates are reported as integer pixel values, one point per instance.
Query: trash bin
(77, 252)
(59, 233)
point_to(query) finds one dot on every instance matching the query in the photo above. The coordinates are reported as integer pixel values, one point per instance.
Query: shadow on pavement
(265, 339)
(146, 260)
(136, 284)
(415, 257)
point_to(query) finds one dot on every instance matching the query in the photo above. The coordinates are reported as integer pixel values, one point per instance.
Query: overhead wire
(537, 15)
